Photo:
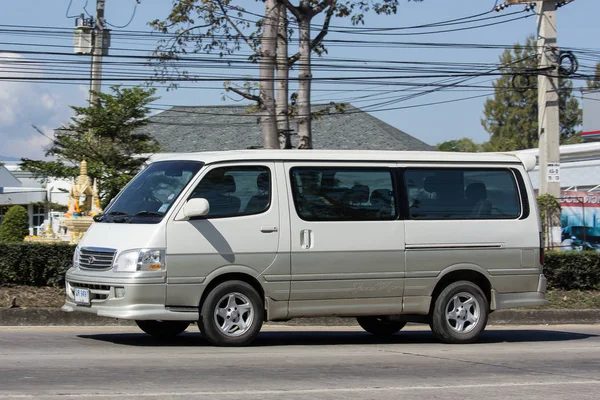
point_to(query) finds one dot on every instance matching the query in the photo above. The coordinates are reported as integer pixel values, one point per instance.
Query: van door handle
(268, 229)
(305, 239)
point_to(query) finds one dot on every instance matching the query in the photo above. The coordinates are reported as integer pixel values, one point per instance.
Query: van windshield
(148, 197)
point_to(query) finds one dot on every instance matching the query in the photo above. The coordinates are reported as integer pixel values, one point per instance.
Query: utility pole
(548, 104)
(100, 46)
(548, 99)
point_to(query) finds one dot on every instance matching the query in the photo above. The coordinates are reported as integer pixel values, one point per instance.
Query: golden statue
(83, 196)
(84, 203)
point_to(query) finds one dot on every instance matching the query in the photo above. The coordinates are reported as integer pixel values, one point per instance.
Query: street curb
(56, 317)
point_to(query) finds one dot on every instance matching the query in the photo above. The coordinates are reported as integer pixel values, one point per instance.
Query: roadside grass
(30, 296)
(572, 299)
(52, 297)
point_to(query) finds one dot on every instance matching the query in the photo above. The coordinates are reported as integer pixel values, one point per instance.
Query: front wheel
(379, 326)
(460, 313)
(163, 329)
(232, 314)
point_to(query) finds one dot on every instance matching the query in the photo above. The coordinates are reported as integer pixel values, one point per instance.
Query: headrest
(430, 184)
(381, 196)
(359, 194)
(263, 182)
(476, 191)
(228, 184)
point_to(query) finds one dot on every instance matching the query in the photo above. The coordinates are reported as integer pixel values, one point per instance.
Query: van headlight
(76, 257)
(140, 260)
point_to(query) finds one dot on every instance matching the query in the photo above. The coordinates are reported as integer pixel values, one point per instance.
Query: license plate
(82, 296)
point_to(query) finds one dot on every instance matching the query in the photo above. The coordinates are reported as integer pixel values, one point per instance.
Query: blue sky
(23, 104)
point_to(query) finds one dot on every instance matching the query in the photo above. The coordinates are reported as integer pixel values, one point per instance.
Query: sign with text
(553, 172)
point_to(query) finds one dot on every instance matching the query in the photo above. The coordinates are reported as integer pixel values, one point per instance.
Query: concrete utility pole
(548, 99)
(548, 106)
(99, 49)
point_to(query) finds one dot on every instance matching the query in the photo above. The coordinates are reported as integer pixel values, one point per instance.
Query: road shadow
(338, 337)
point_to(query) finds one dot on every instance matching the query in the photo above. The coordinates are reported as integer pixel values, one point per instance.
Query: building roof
(571, 152)
(213, 128)
(350, 155)
(7, 178)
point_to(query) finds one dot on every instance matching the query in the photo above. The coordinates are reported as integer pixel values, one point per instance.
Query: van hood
(125, 236)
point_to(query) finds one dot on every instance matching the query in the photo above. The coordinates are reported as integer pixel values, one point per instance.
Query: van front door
(239, 235)
(347, 240)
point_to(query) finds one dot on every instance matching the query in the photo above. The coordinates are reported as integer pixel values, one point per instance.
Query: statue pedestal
(77, 226)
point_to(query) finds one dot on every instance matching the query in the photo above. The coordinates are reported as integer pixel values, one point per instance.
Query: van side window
(344, 194)
(235, 191)
(462, 193)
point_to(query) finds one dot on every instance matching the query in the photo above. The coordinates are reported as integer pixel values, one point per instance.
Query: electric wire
(130, 19)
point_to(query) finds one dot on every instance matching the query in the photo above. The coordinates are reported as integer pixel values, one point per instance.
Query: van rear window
(344, 194)
(462, 193)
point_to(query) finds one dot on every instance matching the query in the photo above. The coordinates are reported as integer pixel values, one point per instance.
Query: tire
(460, 313)
(232, 314)
(379, 326)
(163, 329)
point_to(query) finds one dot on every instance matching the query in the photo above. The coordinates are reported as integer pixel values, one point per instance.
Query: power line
(130, 19)
(68, 8)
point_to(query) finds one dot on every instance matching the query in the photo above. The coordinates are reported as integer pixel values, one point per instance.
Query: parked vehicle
(232, 239)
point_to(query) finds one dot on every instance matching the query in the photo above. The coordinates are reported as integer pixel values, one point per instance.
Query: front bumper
(124, 298)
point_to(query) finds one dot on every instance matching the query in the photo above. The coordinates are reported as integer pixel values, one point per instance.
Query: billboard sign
(580, 220)
(591, 115)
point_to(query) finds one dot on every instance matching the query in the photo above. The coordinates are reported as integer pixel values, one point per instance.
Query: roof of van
(348, 155)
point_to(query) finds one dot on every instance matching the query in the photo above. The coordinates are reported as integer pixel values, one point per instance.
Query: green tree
(105, 137)
(461, 145)
(224, 27)
(511, 117)
(15, 226)
(594, 82)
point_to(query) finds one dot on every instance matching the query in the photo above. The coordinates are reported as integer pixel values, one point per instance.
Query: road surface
(289, 363)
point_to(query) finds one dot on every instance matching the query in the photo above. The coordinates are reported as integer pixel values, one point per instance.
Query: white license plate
(82, 296)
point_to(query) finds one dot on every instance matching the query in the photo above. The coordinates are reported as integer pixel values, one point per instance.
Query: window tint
(235, 191)
(343, 194)
(462, 194)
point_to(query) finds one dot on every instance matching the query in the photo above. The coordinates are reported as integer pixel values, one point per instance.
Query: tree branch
(293, 9)
(319, 38)
(234, 26)
(245, 95)
(323, 5)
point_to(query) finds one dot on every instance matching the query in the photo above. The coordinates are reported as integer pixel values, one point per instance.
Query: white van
(232, 239)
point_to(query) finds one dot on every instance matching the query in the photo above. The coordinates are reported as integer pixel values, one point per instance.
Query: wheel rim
(463, 312)
(234, 314)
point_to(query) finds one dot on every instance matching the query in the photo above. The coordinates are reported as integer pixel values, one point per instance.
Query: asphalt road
(558, 362)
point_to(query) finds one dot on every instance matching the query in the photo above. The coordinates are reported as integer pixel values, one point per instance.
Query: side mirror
(194, 208)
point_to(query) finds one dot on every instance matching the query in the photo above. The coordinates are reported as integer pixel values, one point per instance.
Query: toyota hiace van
(229, 240)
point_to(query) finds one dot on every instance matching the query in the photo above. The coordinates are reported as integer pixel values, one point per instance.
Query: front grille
(94, 258)
(97, 292)
(76, 285)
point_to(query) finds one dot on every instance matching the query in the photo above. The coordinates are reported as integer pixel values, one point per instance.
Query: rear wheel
(232, 314)
(380, 326)
(163, 329)
(460, 313)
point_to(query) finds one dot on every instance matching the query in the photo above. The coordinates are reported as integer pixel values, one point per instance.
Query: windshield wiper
(148, 214)
(101, 217)
(119, 216)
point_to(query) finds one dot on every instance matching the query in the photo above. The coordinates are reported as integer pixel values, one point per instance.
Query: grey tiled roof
(213, 128)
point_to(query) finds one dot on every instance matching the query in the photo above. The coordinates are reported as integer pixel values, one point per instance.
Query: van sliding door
(347, 239)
